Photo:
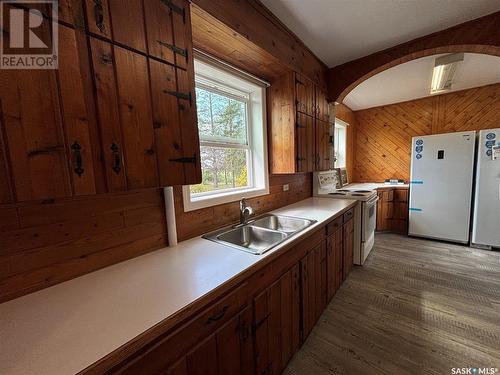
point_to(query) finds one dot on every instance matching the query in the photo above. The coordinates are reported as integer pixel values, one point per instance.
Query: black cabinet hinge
(175, 49)
(179, 95)
(184, 160)
(300, 158)
(331, 139)
(175, 8)
(301, 126)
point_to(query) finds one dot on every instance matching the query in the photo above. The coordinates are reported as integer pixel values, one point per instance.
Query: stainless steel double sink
(261, 234)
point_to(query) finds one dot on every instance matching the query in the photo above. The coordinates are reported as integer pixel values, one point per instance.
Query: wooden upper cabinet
(136, 117)
(98, 19)
(321, 106)
(159, 30)
(128, 23)
(77, 114)
(33, 138)
(323, 145)
(305, 95)
(305, 143)
(299, 138)
(109, 114)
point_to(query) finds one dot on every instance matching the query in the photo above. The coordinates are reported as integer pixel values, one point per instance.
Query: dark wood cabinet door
(313, 272)
(167, 123)
(98, 19)
(322, 133)
(181, 19)
(334, 263)
(33, 138)
(321, 105)
(348, 247)
(277, 326)
(159, 30)
(78, 114)
(108, 114)
(305, 143)
(136, 119)
(203, 359)
(127, 18)
(235, 345)
(305, 95)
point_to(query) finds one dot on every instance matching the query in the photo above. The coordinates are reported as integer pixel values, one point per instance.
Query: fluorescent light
(444, 71)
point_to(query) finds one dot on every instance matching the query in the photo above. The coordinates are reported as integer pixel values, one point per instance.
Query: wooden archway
(481, 35)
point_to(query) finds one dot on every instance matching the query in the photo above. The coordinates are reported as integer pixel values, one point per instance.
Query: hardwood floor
(416, 307)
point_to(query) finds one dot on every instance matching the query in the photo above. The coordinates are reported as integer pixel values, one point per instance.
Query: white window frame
(218, 77)
(341, 125)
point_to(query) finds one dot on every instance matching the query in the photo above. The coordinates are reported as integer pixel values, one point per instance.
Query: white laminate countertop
(375, 185)
(67, 327)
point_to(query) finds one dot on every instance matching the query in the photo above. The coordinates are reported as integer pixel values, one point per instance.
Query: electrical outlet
(286, 187)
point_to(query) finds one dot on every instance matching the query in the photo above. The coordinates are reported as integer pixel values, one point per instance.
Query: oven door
(369, 218)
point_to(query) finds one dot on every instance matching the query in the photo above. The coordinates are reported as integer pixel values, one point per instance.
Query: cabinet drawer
(348, 215)
(167, 349)
(334, 225)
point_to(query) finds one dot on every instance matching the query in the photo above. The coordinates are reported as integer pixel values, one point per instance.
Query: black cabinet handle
(117, 163)
(77, 150)
(218, 316)
(98, 14)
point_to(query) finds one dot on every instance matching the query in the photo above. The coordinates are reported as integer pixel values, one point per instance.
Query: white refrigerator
(486, 221)
(442, 168)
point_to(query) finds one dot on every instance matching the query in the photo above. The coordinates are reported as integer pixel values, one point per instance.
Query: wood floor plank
(416, 307)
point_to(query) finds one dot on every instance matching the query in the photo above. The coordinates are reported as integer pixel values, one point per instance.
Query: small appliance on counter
(326, 185)
(394, 181)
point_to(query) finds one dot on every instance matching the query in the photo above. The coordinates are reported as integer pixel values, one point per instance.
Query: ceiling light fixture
(443, 72)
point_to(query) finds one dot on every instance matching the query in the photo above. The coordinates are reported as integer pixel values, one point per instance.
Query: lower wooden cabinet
(228, 351)
(392, 210)
(334, 246)
(277, 323)
(259, 325)
(347, 247)
(313, 287)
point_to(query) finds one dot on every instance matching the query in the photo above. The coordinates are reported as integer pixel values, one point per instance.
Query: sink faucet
(245, 211)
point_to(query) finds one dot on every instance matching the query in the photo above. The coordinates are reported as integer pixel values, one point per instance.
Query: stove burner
(337, 193)
(362, 191)
(344, 190)
(358, 195)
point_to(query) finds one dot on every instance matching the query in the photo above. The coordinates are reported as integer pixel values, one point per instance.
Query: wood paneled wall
(345, 114)
(194, 223)
(47, 242)
(383, 134)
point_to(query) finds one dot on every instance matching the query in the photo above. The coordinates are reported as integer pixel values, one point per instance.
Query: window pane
(340, 146)
(220, 117)
(222, 168)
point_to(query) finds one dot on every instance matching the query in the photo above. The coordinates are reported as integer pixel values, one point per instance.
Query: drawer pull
(218, 316)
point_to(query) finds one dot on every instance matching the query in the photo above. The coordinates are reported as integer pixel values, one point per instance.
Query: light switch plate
(286, 187)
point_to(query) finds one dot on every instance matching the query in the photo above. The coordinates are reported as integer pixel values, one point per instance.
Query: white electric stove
(326, 185)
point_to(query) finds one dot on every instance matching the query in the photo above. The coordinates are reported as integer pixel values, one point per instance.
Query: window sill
(191, 204)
